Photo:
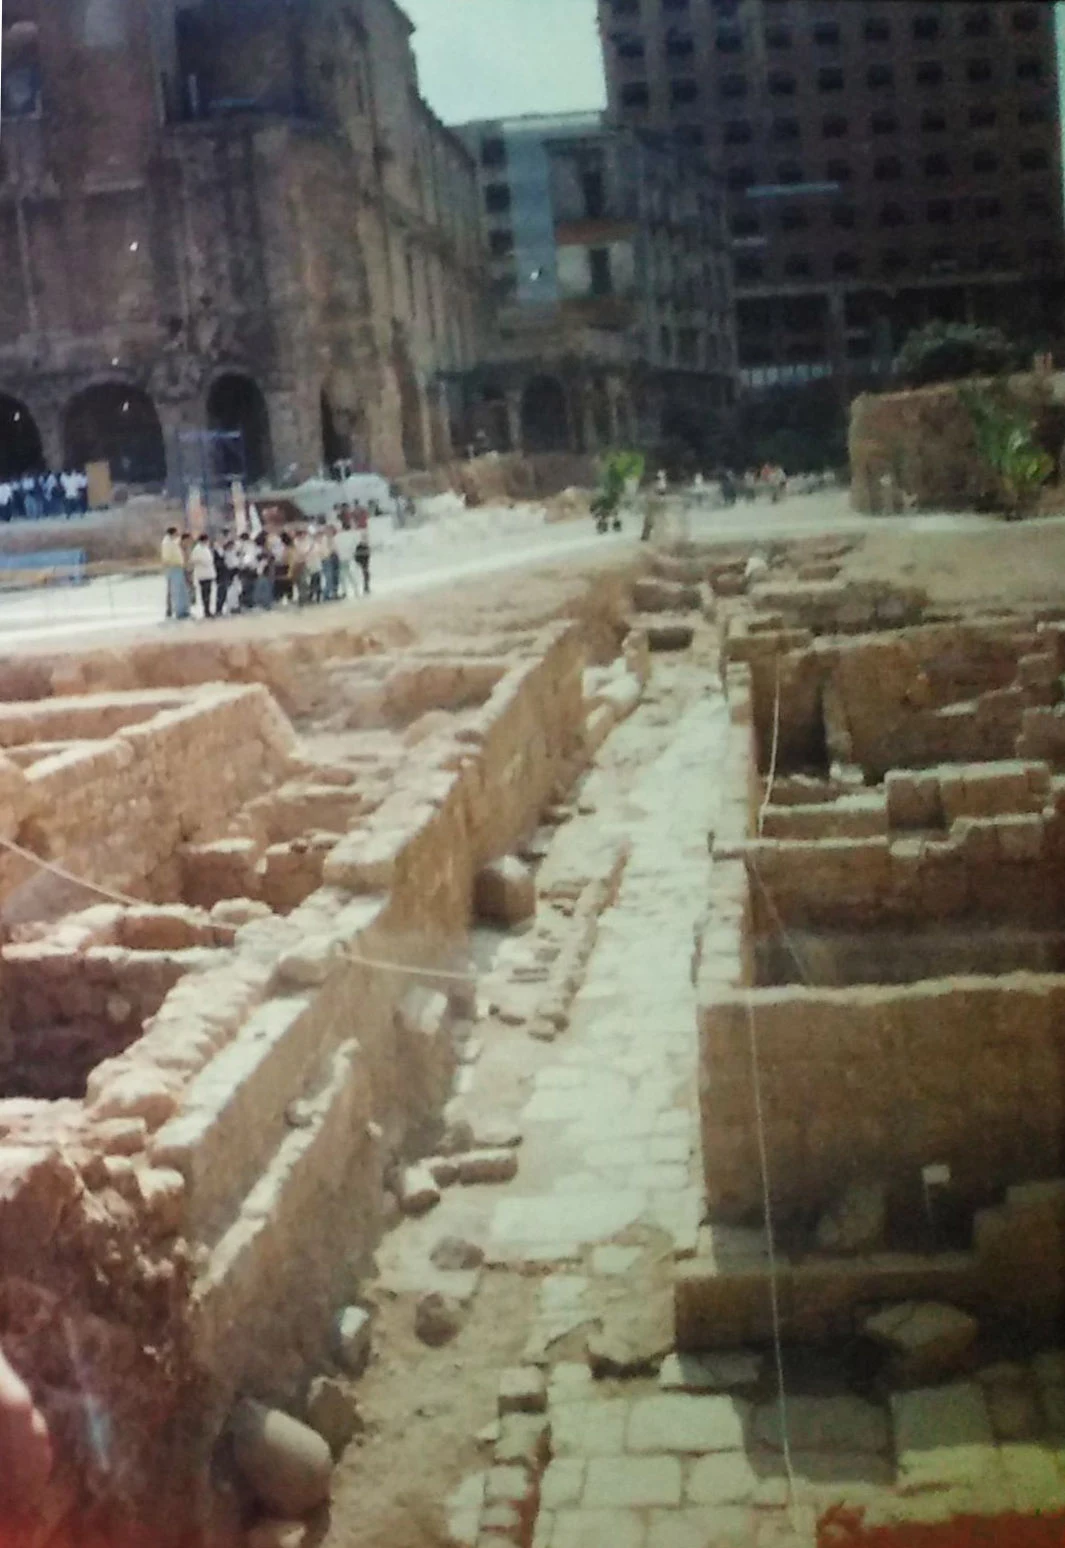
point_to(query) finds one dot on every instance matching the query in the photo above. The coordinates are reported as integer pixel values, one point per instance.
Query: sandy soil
(1007, 566)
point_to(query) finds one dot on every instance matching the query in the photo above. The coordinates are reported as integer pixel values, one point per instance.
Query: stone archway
(21, 450)
(236, 406)
(544, 420)
(336, 445)
(115, 423)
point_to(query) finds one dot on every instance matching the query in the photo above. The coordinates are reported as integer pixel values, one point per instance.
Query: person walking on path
(362, 559)
(172, 556)
(205, 573)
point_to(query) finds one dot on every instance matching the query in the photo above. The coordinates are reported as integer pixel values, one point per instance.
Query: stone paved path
(610, 1129)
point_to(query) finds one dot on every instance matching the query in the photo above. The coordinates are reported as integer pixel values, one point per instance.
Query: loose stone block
(725, 1478)
(505, 892)
(487, 1166)
(829, 1424)
(926, 1339)
(522, 1390)
(286, 1465)
(354, 1333)
(333, 1412)
(418, 1191)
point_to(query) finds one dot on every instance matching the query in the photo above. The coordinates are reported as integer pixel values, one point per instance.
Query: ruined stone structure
(918, 448)
(610, 266)
(228, 217)
(880, 979)
(211, 1071)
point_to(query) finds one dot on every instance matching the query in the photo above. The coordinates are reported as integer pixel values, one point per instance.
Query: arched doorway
(336, 446)
(235, 405)
(20, 440)
(116, 424)
(544, 421)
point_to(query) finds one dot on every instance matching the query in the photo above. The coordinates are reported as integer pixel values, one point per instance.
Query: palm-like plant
(1005, 441)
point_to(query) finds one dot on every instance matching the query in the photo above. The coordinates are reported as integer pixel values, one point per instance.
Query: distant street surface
(481, 542)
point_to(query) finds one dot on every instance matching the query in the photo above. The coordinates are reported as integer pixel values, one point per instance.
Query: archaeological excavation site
(588, 1076)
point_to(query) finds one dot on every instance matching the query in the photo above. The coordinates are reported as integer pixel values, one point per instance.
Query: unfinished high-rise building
(885, 164)
(228, 217)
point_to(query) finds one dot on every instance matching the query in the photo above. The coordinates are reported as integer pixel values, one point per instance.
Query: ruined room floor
(580, 1246)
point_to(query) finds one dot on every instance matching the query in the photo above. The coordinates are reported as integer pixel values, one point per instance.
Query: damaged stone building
(610, 268)
(228, 217)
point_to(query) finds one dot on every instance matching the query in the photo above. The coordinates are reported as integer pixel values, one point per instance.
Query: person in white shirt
(204, 573)
(344, 545)
(173, 561)
(6, 498)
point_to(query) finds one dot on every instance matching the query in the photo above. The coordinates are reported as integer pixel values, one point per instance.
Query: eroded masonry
(887, 938)
(238, 983)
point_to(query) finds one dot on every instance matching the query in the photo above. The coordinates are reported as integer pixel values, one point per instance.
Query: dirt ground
(1011, 566)
(422, 1409)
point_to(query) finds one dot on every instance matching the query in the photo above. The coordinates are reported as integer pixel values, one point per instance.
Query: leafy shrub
(1004, 432)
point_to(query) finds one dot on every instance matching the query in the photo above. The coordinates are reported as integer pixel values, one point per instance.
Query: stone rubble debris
(925, 1339)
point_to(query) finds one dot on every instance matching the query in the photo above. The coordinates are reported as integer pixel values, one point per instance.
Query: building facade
(609, 263)
(885, 164)
(228, 216)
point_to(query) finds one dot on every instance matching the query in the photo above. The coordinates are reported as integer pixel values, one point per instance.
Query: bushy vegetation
(948, 352)
(619, 468)
(1004, 431)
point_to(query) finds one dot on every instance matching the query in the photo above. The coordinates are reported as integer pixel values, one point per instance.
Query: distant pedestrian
(172, 557)
(205, 574)
(362, 559)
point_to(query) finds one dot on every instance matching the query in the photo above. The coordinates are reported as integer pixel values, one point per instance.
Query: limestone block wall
(938, 693)
(878, 1082)
(1005, 869)
(116, 811)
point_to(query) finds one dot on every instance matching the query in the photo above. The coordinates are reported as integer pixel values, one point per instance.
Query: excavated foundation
(881, 979)
(208, 1088)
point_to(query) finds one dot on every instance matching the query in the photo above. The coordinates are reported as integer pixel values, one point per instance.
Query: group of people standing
(44, 494)
(236, 573)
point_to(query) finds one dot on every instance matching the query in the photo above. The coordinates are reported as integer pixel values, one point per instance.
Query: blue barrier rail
(61, 566)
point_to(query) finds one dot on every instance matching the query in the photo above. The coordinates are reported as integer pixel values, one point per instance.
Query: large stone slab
(679, 1422)
(943, 1437)
(823, 1424)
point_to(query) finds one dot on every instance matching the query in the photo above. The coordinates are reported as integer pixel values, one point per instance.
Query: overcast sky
(498, 58)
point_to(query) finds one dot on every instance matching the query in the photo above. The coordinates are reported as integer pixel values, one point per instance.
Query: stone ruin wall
(894, 947)
(918, 447)
(205, 1092)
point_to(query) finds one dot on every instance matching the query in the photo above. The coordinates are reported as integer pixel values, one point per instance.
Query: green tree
(947, 352)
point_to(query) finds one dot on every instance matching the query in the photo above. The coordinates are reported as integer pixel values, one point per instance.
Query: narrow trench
(423, 1409)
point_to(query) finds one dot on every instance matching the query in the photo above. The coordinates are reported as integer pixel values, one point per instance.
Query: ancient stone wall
(241, 1080)
(919, 448)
